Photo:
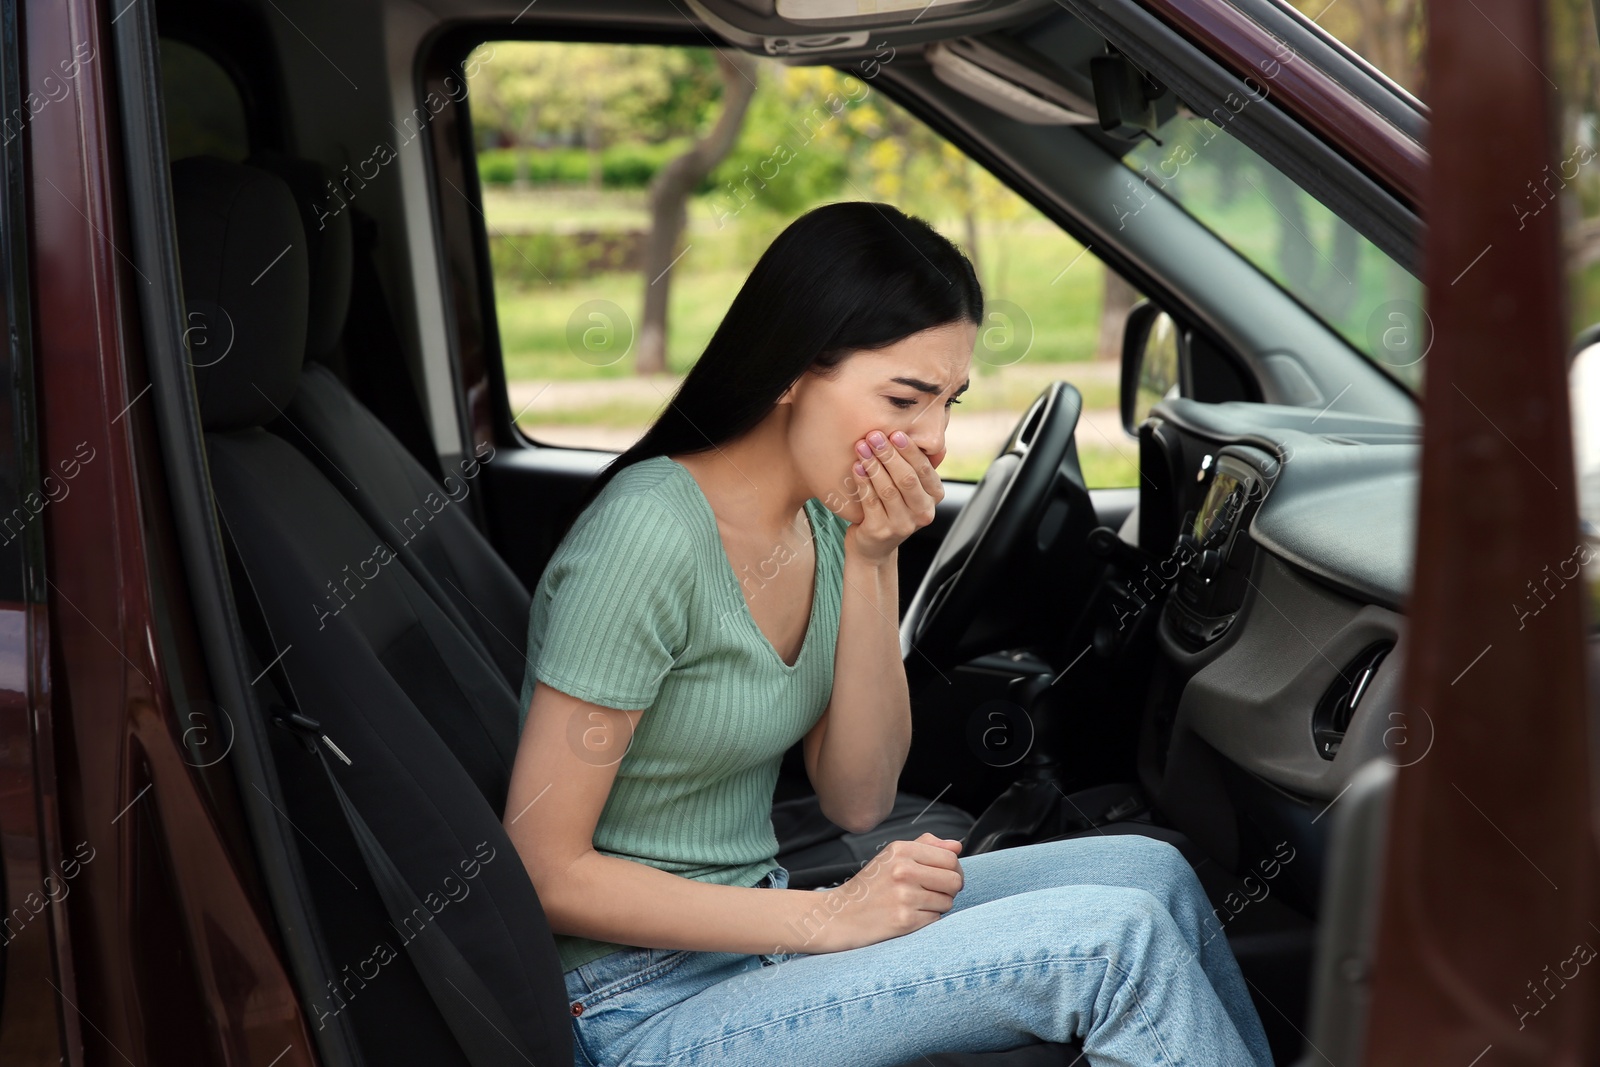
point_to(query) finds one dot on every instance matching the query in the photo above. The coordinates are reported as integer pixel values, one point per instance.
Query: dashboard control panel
(1214, 549)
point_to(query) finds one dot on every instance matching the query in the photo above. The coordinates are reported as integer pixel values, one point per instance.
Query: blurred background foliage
(570, 138)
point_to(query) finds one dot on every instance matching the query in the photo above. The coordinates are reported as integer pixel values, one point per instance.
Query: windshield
(1390, 36)
(1367, 298)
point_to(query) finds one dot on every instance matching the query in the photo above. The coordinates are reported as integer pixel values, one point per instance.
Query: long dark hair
(842, 277)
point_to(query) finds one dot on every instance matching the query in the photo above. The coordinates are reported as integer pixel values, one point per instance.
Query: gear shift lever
(1034, 799)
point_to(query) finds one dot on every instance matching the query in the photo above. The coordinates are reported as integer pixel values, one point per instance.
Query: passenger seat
(425, 726)
(426, 523)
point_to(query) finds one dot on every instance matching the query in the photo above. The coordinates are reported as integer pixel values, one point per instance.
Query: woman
(728, 588)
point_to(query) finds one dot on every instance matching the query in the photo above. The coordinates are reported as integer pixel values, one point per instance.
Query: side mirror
(1583, 376)
(1152, 362)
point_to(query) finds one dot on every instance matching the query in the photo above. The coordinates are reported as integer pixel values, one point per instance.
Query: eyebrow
(930, 387)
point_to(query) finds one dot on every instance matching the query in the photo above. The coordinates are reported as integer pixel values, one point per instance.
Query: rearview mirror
(1151, 362)
(1126, 98)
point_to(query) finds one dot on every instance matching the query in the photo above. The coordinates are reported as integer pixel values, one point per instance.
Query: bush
(807, 177)
(527, 260)
(496, 166)
(632, 165)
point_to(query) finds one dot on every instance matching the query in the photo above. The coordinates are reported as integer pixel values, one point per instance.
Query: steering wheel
(1020, 493)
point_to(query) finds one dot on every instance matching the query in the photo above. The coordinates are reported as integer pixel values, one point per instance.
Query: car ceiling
(756, 26)
(994, 33)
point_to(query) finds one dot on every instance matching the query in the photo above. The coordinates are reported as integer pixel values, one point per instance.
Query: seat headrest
(329, 250)
(242, 254)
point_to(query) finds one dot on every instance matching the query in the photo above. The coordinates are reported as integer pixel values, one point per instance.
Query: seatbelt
(474, 1015)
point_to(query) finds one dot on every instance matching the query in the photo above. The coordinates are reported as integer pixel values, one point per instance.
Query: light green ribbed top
(640, 608)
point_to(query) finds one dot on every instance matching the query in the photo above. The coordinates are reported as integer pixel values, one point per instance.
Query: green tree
(538, 92)
(669, 196)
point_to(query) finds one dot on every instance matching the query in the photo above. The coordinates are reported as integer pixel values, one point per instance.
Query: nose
(928, 435)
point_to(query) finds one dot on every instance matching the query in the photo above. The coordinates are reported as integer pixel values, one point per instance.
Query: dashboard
(1286, 538)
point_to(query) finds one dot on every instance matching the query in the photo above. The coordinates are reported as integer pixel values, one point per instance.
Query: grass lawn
(1055, 296)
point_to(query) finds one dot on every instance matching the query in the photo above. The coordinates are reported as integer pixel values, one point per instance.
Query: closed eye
(903, 403)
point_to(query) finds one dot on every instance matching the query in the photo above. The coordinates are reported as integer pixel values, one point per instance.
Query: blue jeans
(1109, 940)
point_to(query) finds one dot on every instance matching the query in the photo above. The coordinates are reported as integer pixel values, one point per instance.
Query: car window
(570, 137)
(1367, 298)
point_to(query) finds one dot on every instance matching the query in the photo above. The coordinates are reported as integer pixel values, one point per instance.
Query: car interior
(1207, 657)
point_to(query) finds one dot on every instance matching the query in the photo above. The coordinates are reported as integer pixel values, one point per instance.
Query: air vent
(1338, 704)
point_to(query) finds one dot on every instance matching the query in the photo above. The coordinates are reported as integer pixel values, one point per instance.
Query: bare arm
(566, 764)
(855, 752)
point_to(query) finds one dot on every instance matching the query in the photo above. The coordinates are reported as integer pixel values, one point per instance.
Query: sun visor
(846, 29)
(1024, 87)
